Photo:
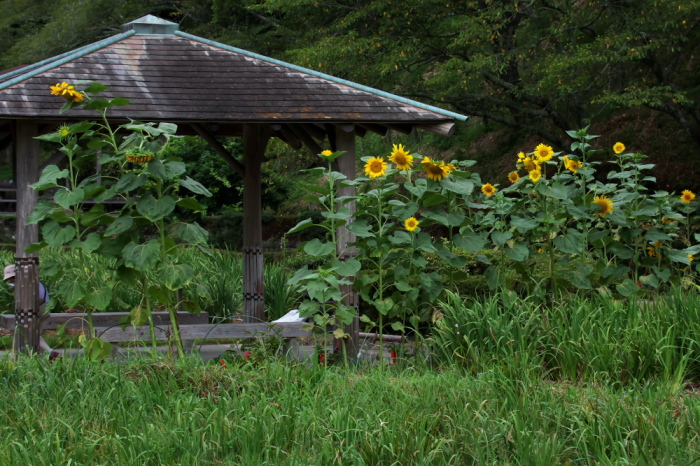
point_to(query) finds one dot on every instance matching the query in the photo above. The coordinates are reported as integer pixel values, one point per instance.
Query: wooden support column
(345, 141)
(255, 138)
(26, 265)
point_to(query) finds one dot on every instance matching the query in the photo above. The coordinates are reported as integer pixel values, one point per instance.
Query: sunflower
(63, 131)
(66, 91)
(513, 177)
(435, 171)
(572, 165)
(375, 167)
(411, 224)
(690, 257)
(543, 153)
(327, 153)
(535, 175)
(488, 189)
(619, 147)
(521, 157)
(401, 158)
(531, 164)
(687, 196)
(606, 205)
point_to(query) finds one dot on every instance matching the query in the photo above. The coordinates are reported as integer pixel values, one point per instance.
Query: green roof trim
(318, 74)
(59, 60)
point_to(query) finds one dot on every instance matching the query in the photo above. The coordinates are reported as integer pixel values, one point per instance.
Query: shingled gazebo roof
(169, 75)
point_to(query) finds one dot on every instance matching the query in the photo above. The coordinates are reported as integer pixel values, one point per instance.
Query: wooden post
(26, 265)
(345, 141)
(255, 139)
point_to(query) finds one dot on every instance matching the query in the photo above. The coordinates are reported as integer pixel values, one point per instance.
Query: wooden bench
(192, 327)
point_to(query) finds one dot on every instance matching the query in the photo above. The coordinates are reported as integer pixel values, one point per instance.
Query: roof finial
(151, 25)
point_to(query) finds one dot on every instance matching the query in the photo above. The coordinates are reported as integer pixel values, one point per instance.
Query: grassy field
(155, 412)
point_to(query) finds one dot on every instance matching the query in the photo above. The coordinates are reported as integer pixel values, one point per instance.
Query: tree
(543, 66)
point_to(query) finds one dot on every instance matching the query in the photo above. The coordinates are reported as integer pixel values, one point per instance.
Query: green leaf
(48, 178)
(304, 224)
(42, 210)
(192, 233)
(57, 236)
(142, 256)
(129, 182)
(523, 224)
(176, 276)
(138, 316)
(91, 243)
(195, 186)
(155, 209)
(499, 238)
(96, 349)
(99, 298)
(72, 292)
(96, 88)
(120, 225)
(417, 188)
(572, 242)
(384, 306)
(118, 102)
(316, 248)
(67, 199)
(347, 268)
(627, 288)
(174, 169)
(654, 234)
(449, 257)
(360, 228)
(471, 241)
(156, 169)
(190, 203)
(400, 237)
(492, 277)
(518, 253)
(34, 247)
(433, 199)
(459, 185)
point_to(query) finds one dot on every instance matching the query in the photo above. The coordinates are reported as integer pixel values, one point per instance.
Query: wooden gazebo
(211, 90)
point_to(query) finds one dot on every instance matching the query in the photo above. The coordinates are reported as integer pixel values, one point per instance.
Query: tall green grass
(575, 337)
(152, 412)
(216, 285)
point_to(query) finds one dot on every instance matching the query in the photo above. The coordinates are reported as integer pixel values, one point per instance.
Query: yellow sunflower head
(687, 196)
(619, 147)
(690, 257)
(488, 189)
(531, 164)
(535, 175)
(401, 158)
(543, 153)
(375, 167)
(521, 157)
(435, 170)
(411, 224)
(572, 165)
(67, 91)
(605, 204)
(327, 153)
(64, 131)
(513, 177)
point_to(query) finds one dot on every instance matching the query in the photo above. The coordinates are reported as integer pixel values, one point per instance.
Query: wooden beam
(218, 148)
(315, 131)
(27, 163)
(26, 264)
(405, 129)
(255, 139)
(286, 135)
(346, 165)
(212, 331)
(306, 138)
(330, 129)
(378, 129)
(443, 129)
